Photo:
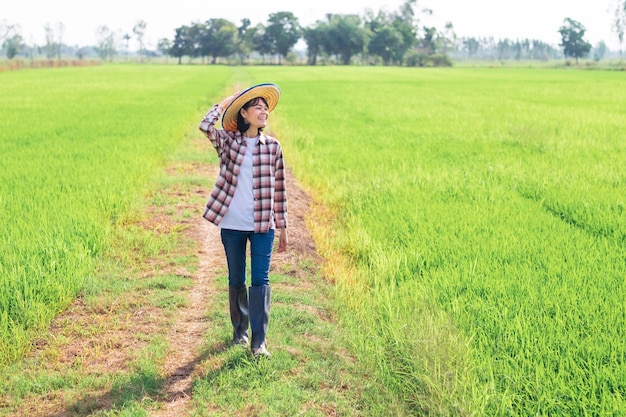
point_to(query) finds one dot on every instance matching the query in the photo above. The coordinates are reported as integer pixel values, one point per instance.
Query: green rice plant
(77, 146)
(478, 215)
(481, 216)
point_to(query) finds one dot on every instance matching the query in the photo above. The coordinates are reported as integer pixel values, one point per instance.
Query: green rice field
(77, 145)
(472, 219)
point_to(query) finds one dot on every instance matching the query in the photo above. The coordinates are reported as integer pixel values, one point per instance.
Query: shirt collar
(239, 137)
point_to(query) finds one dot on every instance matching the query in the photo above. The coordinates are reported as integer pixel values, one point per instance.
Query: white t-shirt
(240, 213)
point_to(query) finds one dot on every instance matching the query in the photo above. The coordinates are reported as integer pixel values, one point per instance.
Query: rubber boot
(239, 316)
(259, 319)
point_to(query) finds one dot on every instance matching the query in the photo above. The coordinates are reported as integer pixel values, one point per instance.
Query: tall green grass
(76, 148)
(482, 212)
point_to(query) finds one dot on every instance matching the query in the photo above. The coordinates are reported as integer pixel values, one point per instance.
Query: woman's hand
(226, 102)
(282, 240)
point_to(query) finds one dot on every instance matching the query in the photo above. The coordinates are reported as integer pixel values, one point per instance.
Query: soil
(186, 334)
(100, 338)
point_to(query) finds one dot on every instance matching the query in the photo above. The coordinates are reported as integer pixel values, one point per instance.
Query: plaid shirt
(268, 173)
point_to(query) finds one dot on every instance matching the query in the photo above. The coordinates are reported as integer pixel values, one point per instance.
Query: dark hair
(242, 126)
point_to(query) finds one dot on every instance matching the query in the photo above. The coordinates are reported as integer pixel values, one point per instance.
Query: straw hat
(270, 92)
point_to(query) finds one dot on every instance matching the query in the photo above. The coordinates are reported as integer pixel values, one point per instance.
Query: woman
(248, 202)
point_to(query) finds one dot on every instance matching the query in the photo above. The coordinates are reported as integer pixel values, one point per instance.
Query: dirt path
(97, 337)
(185, 337)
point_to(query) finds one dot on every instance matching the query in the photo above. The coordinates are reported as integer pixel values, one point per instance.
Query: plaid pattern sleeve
(228, 150)
(207, 125)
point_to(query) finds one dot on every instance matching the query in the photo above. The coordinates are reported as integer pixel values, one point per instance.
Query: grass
(471, 220)
(480, 216)
(103, 356)
(310, 372)
(78, 146)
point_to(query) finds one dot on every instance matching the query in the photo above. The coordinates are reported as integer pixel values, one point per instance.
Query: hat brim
(270, 92)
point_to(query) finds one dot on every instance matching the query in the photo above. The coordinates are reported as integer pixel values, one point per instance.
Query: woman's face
(257, 114)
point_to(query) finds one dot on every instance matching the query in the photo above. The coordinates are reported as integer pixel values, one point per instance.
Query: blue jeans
(235, 245)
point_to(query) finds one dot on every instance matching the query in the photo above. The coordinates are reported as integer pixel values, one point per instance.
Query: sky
(512, 19)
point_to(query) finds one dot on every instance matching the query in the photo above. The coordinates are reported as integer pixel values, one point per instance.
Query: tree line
(388, 38)
(391, 38)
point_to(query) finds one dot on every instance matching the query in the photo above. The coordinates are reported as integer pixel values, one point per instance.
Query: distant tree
(328, 45)
(218, 39)
(345, 36)
(572, 39)
(406, 19)
(340, 35)
(283, 31)
(393, 34)
(181, 44)
(140, 31)
(126, 39)
(406, 23)
(194, 43)
(80, 53)
(245, 39)
(314, 39)
(262, 42)
(487, 46)
(520, 48)
(447, 38)
(50, 44)
(13, 45)
(164, 46)
(385, 42)
(619, 24)
(11, 40)
(599, 51)
(504, 49)
(542, 51)
(471, 46)
(105, 43)
(428, 44)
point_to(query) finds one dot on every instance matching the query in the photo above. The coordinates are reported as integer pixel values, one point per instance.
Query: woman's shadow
(146, 385)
